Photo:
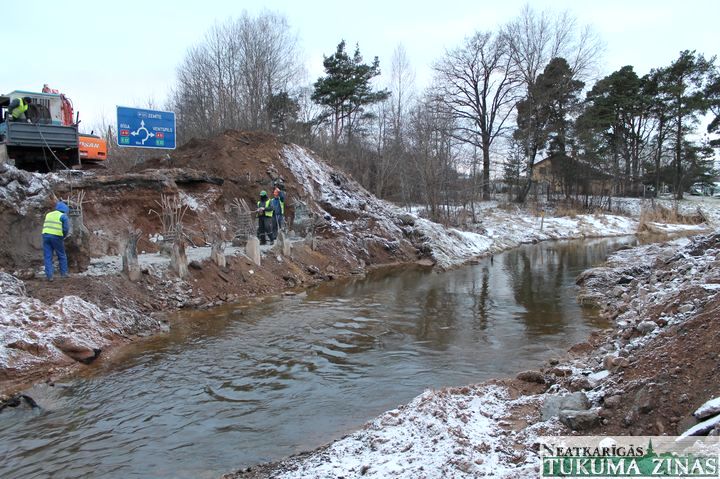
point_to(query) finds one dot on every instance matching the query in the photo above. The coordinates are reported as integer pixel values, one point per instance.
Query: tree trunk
(486, 171)
(522, 195)
(658, 155)
(678, 159)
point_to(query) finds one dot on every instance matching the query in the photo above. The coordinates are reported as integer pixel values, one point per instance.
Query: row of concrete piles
(171, 215)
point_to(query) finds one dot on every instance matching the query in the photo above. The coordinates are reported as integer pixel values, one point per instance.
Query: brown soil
(670, 378)
(249, 162)
(216, 171)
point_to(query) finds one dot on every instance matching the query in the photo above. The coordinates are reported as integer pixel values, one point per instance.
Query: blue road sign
(145, 128)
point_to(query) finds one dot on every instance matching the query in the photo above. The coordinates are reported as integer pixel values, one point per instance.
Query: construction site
(354, 298)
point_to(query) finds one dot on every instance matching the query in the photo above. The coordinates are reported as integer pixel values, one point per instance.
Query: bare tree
(533, 39)
(227, 81)
(402, 86)
(478, 85)
(433, 154)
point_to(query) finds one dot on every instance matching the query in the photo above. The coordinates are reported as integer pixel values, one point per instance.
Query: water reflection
(246, 384)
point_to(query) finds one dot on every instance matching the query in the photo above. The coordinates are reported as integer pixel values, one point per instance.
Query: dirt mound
(230, 155)
(663, 357)
(677, 370)
(249, 162)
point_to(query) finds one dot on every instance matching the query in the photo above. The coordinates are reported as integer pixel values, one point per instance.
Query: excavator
(48, 139)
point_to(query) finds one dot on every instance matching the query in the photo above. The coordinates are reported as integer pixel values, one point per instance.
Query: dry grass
(660, 214)
(507, 206)
(567, 210)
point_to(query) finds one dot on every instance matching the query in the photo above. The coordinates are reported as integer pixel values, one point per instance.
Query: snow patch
(30, 329)
(439, 434)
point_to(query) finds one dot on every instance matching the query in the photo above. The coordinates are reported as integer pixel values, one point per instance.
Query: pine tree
(682, 86)
(616, 121)
(544, 118)
(346, 89)
(712, 93)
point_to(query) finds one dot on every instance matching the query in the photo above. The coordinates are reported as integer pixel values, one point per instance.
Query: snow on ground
(461, 432)
(158, 263)
(709, 408)
(448, 433)
(155, 262)
(32, 332)
(498, 229)
(695, 271)
(709, 206)
(693, 268)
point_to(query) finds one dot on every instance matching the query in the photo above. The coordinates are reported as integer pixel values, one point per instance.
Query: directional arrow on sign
(142, 128)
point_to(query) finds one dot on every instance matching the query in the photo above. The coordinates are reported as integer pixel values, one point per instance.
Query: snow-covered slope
(32, 332)
(447, 433)
(499, 229)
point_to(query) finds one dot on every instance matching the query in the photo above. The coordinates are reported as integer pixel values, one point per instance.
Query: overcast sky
(103, 54)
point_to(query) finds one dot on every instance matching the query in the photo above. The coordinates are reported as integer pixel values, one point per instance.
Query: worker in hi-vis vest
(264, 213)
(18, 107)
(55, 230)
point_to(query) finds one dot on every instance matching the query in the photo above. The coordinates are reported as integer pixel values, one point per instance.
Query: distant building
(567, 176)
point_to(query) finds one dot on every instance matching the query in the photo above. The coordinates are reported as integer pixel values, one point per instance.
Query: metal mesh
(245, 225)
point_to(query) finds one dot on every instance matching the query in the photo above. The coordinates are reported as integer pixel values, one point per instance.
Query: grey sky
(103, 54)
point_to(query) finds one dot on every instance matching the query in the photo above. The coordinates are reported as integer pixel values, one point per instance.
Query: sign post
(139, 128)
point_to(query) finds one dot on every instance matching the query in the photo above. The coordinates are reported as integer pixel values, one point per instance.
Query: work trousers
(277, 224)
(54, 243)
(265, 229)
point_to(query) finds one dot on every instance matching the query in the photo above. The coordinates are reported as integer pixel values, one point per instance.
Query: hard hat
(263, 193)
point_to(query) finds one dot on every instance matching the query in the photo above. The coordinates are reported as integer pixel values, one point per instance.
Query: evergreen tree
(682, 85)
(661, 115)
(346, 89)
(712, 93)
(544, 119)
(616, 125)
(283, 110)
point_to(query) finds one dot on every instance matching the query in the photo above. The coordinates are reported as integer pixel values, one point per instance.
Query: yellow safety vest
(267, 205)
(20, 109)
(53, 224)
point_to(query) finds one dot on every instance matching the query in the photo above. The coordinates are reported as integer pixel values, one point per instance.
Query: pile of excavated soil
(229, 155)
(249, 162)
(673, 358)
(661, 361)
(670, 378)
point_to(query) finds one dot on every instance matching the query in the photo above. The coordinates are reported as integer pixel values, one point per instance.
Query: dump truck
(48, 139)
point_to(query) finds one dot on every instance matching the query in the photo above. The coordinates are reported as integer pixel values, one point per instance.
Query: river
(245, 384)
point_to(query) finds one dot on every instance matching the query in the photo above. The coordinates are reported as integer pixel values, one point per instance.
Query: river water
(246, 384)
